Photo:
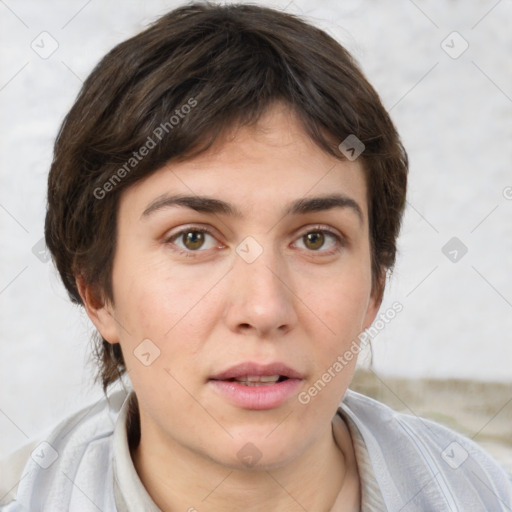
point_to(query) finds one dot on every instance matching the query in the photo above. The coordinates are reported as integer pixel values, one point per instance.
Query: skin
(207, 311)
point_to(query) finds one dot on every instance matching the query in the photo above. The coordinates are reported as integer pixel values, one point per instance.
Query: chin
(257, 453)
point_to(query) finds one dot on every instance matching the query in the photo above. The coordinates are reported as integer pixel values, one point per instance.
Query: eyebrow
(217, 206)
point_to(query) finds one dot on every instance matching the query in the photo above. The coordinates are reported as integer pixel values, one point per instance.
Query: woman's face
(277, 284)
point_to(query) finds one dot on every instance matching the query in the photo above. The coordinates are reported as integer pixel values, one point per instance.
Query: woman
(224, 201)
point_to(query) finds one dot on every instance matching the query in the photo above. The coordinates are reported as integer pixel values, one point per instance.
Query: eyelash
(193, 254)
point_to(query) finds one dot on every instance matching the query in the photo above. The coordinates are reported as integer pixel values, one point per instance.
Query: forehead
(256, 168)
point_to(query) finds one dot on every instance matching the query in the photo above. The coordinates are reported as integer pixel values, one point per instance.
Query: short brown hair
(197, 71)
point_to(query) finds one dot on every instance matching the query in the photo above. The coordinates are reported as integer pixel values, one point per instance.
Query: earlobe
(98, 310)
(374, 303)
(371, 312)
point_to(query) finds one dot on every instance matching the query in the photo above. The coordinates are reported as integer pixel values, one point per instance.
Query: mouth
(256, 372)
(255, 386)
(254, 380)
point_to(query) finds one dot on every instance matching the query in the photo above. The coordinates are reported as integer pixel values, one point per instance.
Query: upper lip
(249, 368)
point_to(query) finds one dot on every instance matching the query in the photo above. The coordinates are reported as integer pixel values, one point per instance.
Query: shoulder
(412, 455)
(55, 463)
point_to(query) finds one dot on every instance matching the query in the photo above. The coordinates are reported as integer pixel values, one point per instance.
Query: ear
(375, 301)
(98, 310)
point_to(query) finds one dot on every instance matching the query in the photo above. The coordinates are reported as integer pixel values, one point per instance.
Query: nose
(261, 299)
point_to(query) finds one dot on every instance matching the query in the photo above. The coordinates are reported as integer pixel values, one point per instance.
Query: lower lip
(267, 396)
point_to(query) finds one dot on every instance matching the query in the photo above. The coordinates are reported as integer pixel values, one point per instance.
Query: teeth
(253, 380)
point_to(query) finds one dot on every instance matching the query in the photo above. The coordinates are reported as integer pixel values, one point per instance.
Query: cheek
(152, 299)
(341, 301)
(337, 318)
(174, 311)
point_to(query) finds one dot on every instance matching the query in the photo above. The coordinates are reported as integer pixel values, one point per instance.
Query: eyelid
(194, 227)
(321, 227)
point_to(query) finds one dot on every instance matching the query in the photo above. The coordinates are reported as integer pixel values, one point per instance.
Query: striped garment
(406, 464)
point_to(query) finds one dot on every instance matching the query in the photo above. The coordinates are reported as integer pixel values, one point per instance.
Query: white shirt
(405, 464)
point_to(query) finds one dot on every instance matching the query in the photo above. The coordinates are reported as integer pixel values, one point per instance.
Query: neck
(191, 482)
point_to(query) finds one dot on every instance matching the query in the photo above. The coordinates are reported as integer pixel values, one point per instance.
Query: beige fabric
(371, 497)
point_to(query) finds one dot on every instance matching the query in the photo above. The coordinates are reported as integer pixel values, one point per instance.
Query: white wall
(455, 117)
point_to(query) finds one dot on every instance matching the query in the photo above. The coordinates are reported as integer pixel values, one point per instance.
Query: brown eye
(322, 241)
(314, 240)
(193, 239)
